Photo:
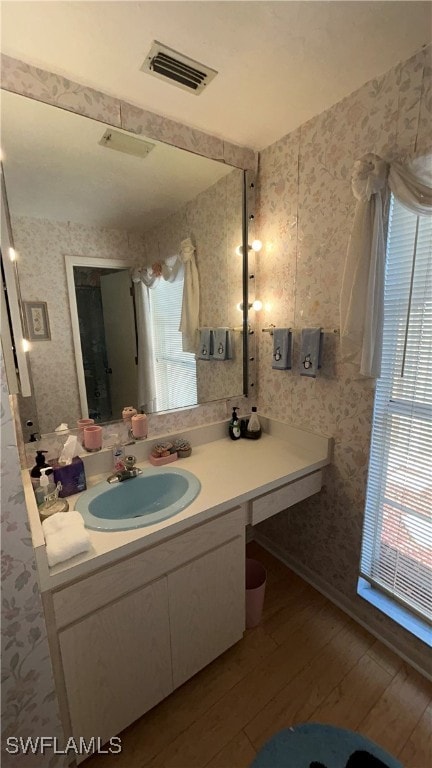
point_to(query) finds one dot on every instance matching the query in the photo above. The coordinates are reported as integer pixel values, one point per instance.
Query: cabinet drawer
(78, 600)
(282, 498)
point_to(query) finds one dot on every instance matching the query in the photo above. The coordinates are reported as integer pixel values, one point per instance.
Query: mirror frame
(13, 319)
(41, 85)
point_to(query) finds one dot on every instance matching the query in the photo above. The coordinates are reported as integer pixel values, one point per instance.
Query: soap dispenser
(47, 497)
(35, 473)
(45, 487)
(253, 430)
(254, 423)
(234, 426)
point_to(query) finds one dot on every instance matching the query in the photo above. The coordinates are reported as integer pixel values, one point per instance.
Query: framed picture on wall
(36, 316)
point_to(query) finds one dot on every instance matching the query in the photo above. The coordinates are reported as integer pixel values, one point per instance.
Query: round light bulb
(257, 305)
(239, 250)
(240, 307)
(25, 345)
(256, 245)
(12, 254)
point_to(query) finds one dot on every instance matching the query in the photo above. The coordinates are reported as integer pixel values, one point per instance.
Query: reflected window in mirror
(175, 370)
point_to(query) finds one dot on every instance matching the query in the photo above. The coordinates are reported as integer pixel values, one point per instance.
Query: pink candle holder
(81, 423)
(92, 438)
(139, 426)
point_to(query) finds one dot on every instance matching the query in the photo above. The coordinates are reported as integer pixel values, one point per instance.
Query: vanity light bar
(167, 64)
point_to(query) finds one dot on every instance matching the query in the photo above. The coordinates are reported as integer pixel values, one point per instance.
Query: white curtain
(171, 269)
(362, 295)
(190, 305)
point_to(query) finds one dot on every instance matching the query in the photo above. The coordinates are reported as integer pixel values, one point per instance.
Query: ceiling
(56, 169)
(279, 63)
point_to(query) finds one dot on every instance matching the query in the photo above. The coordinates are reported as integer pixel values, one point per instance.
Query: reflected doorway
(107, 332)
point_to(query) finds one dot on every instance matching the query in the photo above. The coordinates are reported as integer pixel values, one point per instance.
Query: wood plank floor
(307, 661)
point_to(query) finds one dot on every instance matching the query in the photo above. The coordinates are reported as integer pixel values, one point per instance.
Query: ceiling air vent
(170, 65)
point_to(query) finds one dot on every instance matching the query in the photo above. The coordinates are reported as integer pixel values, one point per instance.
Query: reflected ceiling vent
(179, 70)
(122, 142)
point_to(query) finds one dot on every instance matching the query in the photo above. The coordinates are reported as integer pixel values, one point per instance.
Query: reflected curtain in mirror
(159, 346)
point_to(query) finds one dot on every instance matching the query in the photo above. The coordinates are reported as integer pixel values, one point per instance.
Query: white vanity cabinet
(143, 614)
(117, 662)
(206, 608)
(130, 634)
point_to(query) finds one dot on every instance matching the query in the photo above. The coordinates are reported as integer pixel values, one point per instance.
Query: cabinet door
(207, 608)
(117, 662)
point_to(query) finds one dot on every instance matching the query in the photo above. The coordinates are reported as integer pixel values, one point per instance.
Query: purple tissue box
(71, 476)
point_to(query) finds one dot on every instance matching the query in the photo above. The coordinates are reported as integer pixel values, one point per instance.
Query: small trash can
(256, 578)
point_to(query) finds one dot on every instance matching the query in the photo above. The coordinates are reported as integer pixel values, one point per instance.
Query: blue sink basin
(155, 495)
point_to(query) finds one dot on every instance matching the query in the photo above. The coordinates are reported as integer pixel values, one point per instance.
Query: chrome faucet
(129, 471)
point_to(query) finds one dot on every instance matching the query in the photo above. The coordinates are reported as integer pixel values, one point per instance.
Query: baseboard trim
(334, 596)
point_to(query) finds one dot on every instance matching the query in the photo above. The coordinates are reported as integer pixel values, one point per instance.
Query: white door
(120, 340)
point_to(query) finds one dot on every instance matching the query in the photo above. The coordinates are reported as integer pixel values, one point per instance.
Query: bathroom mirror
(78, 189)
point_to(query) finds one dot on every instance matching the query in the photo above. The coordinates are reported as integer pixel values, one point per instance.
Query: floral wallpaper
(305, 207)
(29, 702)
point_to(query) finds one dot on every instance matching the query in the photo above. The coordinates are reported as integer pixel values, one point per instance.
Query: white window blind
(175, 370)
(397, 534)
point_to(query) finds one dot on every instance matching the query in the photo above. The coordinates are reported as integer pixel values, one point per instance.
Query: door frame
(84, 261)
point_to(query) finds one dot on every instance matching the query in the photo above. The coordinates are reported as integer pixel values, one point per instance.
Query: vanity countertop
(231, 473)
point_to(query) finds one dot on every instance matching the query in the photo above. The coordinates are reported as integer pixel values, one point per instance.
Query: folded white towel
(65, 536)
(61, 520)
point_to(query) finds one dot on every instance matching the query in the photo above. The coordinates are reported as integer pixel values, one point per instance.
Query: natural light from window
(175, 370)
(397, 535)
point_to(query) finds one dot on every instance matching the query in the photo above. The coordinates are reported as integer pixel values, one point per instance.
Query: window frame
(392, 603)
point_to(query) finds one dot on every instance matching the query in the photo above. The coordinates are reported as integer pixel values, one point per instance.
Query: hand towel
(311, 351)
(222, 349)
(205, 349)
(61, 520)
(282, 349)
(65, 536)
